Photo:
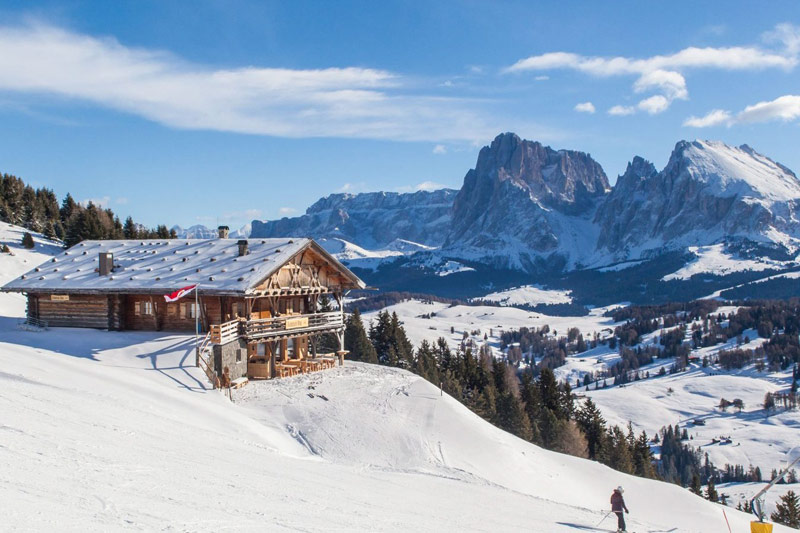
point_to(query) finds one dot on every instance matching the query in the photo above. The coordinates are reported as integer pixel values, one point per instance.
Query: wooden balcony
(276, 327)
(292, 325)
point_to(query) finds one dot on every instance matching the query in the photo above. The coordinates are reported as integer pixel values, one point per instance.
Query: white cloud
(99, 202)
(654, 105)
(786, 35)
(732, 58)
(286, 211)
(349, 102)
(121, 200)
(662, 73)
(541, 78)
(672, 84)
(621, 110)
(439, 149)
(784, 108)
(585, 107)
(715, 117)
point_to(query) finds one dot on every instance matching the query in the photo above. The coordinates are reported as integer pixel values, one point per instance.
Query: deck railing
(278, 326)
(224, 333)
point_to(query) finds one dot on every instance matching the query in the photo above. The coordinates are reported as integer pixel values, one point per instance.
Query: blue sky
(224, 111)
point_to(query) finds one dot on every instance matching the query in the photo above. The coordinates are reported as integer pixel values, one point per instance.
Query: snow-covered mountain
(370, 220)
(199, 231)
(527, 206)
(708, 193)
(539, 212)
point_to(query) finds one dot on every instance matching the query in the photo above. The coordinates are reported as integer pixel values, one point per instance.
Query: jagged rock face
(526, 206)
(370, 220)
(708, 192)
(522, 196)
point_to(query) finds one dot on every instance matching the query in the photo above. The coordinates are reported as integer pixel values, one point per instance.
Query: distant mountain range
(548, 214)
(199, 231)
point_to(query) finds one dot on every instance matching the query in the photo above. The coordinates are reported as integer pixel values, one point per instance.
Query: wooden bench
(285, 371)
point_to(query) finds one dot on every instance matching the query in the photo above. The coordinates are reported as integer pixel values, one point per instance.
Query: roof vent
(222, 231)
(106, 263)
(242, 247)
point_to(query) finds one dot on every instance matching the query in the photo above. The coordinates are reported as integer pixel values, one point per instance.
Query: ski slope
(117, 431)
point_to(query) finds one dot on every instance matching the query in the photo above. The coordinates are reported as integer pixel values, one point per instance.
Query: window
(239, 355)
(145, 308)
(291, 349)
(188, 310)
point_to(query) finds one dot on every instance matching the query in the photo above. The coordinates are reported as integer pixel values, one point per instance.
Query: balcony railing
(283, 325)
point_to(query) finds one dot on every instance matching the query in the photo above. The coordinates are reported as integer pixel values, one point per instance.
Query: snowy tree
(787, 511)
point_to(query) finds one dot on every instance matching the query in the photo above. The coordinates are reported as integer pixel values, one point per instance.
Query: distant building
(259, 299)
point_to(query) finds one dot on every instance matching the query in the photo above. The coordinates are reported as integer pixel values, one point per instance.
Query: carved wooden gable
(306, 271)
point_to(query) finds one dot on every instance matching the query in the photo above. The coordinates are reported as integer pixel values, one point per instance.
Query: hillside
(117, 431)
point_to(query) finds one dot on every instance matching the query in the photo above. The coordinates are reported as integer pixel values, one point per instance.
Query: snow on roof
(162, 265)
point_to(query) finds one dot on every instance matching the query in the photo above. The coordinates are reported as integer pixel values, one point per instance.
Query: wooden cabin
(258, 303)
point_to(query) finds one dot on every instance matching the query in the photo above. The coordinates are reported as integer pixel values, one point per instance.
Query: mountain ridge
(530, 208)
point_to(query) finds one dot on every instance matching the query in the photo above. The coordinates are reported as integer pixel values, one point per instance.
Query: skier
(617, 506)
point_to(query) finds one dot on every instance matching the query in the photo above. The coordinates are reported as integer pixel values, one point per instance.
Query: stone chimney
(222, 232)
(106, 263)
(242, 247)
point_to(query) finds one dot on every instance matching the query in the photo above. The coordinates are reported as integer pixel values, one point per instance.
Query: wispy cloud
(440, 149)
(621, 110)
(99, 202)
(585, 107)
(782, 109)
(349, 102)
(286, 211)
(663, 73)
(715, 117)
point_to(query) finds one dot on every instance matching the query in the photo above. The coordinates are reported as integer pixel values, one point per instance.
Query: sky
(219, 112)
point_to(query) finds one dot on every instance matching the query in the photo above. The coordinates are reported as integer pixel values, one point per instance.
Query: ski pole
(604, 518)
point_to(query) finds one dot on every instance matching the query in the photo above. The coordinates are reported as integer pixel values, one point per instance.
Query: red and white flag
(180, 293)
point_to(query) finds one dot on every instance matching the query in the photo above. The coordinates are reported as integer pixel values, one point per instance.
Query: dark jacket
(618, 502)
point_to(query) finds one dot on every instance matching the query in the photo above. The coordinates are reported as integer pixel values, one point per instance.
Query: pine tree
(695, 486)
(593, 425)
(356, 340)
(787, 511)
(129, 230)
(711, 491)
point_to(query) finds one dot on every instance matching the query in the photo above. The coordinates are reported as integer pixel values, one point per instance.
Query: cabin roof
(164, 265)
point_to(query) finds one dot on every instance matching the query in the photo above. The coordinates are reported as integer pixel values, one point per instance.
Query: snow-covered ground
(714, 259)
(486, 320)
(105, 431)
(742, 492)
(757, 439)
(528, 295)
(112, 431)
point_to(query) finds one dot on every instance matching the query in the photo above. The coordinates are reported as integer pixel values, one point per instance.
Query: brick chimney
(222, 232)
(242, 247)
(106, 263)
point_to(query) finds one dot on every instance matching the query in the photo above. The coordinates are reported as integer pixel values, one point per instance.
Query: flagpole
(196, 324)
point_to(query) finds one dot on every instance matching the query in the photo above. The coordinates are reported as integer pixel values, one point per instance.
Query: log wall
(83, 311)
